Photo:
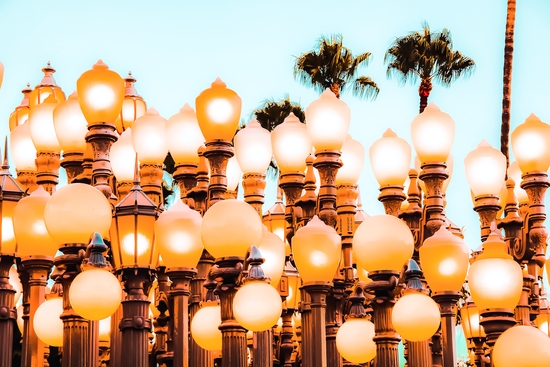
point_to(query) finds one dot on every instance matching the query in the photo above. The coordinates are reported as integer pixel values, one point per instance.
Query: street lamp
(24, 156)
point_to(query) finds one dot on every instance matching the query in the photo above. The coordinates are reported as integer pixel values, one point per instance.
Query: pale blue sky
(175, 49)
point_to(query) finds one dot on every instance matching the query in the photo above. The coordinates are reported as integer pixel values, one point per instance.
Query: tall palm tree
(427, 56)
(333, 66)
(507, 80)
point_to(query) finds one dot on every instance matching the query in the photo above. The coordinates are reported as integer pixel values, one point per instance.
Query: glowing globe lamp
(390, 158)
(522, 346)
(149, 137)
(354, 340)
(485, 170)
(42, 127)
(184, 136)
(432, 134)
(233, 173)
(22, 148)
(70, 125)
(204, 327)
(253, 148)
(291, 145)
(531, 145)
(273, 251)
(257, 306)
(416, 316)
(353, 157)
(47, 323)
(95, 294)
(123, 157)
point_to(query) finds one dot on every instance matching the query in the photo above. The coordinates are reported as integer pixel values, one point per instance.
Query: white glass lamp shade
(515, 174)
(70, 125)
(445, 259)
(149, 137)
(354, 341)
(522, 346)
(95, 294)
(42, 127)
(257, 306)
(531, 145)
(31, 234)
(495, 279)
(291, 145)
(204, 327)
(178, 236)
(22, 148)
(105, 329)
(470, 320)
(390, 158)
(47, 324)
(253, 148)
(229, 228)
(353, 157)
(485, 170)
(16, 284)
(432, 134)
(184, 136)
(416, 316)
(362, 274)
(123, 157)
(327, 120)
(273, 251)
(383, 242)
(233, 173)
(75, 212)
(316, 249)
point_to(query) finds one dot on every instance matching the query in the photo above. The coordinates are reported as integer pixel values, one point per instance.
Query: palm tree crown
(429, 56)
(333, 66)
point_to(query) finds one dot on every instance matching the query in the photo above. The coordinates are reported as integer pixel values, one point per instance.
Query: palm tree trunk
(335, 88)
(424, 92)
(507, 80)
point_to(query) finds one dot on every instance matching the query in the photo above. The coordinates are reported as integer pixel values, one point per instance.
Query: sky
(175, 49)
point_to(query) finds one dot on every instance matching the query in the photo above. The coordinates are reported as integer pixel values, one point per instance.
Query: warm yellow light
(21, 113)
(178, 236)
(105, 329)
(253, 148)
(46, 88)
(390, 158)
(273, 251)
(383, 242)
(522, 346)
(123, 157)
(543, 318)
(495, 279)
(153, 310)
(218, 111)
(101, 93)
(30, 230)
(70, 125)
(95, 294)
(149, 137)
(8, 245)
(133, 106)
(444, 259)
(515, 174)
(22, 148)
(204, 327)
(42, 127)
(354, 341)
(362, 274)
(353, 156)
(47, 324)
(432, 134)
(257, 306)
(485, 170)
(230, 228)
(294, 283)
(416, 316)
(233, 173)
(184, 136)
(531, 145)
(327, 121)
(316, 249)
(470, 320)
(20, 321)
(16, 284)
(291, 145)
(76, 211)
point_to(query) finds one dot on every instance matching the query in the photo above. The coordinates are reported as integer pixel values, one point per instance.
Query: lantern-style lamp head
(273, 251)
(327, 121)
(390, 158)
(470, 320)
(485, 170)
(353, 157)
(229, 228)
(274, 218)
(70, 125)
(11, 194)
(531, 145)
(233, 173)
(291, 145)
(218, 111)
(178, 236)
(122, 157)
(46, 88)
(42, 127)
(383, 242)
(316, 249)
(21, 112)
(133, 105)
(22, 148)
(101, 93)
(184, 136)
(149, 137)
(253, 148)
(432, 134)
(495, 279)
(521, 346)
(294, 282)
(444, 259)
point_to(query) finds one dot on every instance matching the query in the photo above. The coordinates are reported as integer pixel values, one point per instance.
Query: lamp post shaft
(434, 175)
(316, 324)
(263, 348)
(7, 311)
(101, 136)
(448, 306)
(327, 163)
(151, 181)
(115, 345)
(27, 180)
(305, 311)
(334, 311)
(72, 163)
(254, 186)
(419, 354)
(186, 178)
(286, 338)
(217, 153)
(47, 170)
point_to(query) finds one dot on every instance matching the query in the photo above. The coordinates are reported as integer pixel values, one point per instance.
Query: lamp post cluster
(212, 280)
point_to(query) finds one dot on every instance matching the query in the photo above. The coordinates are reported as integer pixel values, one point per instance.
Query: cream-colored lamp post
(233, 175)
(122, 158)
(133, 105)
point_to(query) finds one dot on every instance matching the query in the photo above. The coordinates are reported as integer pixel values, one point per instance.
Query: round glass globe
(22, 148)
(76, 211)
(273, 251)
(416, 317)
(47, 323)
(257, 306)
(353, 157)
(123, 157)
(390, 158)
(229, 228)
(531, 145)
(522, 346)
(485, 169)
(16, 284)
(105, 329)
(184, 136)
(149, 137)
(95, 294)
(354, 341)
(383, 242)
(432, 134)
(291, 145)
(204, 327)
(253, 148)
(70, 125)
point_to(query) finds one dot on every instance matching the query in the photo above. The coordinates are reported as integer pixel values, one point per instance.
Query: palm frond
(365, 87)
